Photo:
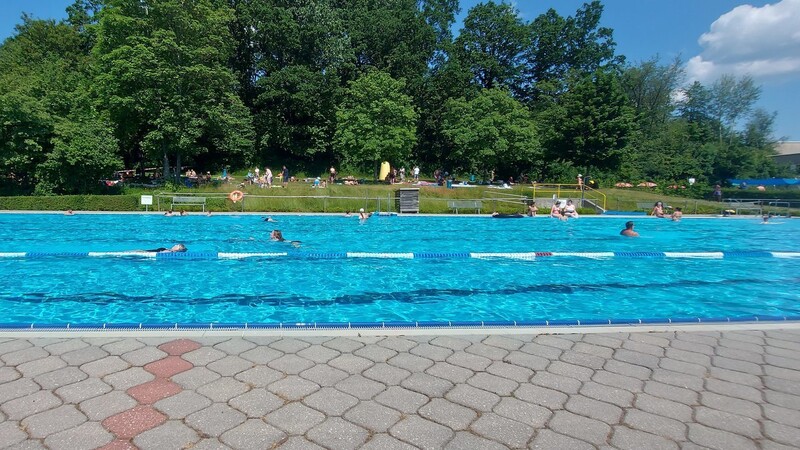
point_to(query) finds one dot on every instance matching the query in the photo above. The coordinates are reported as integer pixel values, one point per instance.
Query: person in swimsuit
(628, 231)
(569, 210)
(532, 209)
(658, 210)
(177, 248)
(677, 214)
(555, 211)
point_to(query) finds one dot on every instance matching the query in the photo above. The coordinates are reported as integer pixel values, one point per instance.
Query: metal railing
(584, 192)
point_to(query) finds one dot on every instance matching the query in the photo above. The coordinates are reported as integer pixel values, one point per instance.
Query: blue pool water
(75, 289)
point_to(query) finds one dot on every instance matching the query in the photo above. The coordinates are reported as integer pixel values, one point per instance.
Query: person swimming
(628, 231)
(277, 236)
(177, 248)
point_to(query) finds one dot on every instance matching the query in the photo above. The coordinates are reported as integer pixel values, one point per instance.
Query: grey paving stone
(375, 353)
(782, 433)
(697, 337)
(8, 374)
(684, 367)
(170, 434)
(450, 342)
(598, 351)
(546, 397)
(209, 444)
(18, 357)
(195, 377)
(31, 369)
(343, 344)
(289, 345)
(754, 357)
(734, 390)
(501, 429)
(782, 415)
(236, 346)
(752, 336)
(524, 412)
(718, 439)
(493, 383)
(487, 351)
(737, 365)
(548, 439)
(570, 370)
(628, 370)
(215, 420)
(449, 372)
(300, 443)
(263, 341)
(182, 404)
(410, 362)
(580, 427)
(52, 421)
(559, 342)
(594, 409)
(295, 418)
(10, 433)
(88, 435)
(662, 341)
(204, 356)
(60, 377)
(385, 442)
(678, 379)
(692, 347)
(505, 342)
(655, 424)
(104, 406)
(13, 345)
(293, 388)
(449, 414)
(465, 440)
(627, 439)
(385, 373)
(663, 407)
(786, 353)
(123, 346)
(629, 384)
(31, 404)
(556, 382)
(510, 371)
(780, 372)
(612, 341)
(84, 355)
(373, 416)
(105, 366)
(432, 352)
(735, 377)
(253, 433)
(588, 361)
(731, 405)
(421, 432)
(259, 376)
(728, 422)
(397, 344)
(643, 347)
(674, 393)
(291, 364)
(128, 378)
(17, 388)
(64, 346)
(143, 356)
(779, 384)
(230, 365)
(468, 361)
(427, 384)
(360, 387)
(636, 358)
(350, 363)
(472, 397)
(261, 354)
(321, 354)
(401, 399)
(223, 389)
(338, 433)
(330, 401)
(769, 445)
(256, 403)
(83, 390)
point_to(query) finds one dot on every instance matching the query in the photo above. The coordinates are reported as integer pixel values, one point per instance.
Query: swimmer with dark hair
(277, 236)
(628, 231)
(177, 248)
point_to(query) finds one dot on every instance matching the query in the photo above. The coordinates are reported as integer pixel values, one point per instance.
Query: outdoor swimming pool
(392, 269)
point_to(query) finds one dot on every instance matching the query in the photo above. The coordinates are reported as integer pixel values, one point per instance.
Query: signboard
(147, 200)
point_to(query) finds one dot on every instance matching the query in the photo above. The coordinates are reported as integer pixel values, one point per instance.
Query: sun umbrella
(647, 184)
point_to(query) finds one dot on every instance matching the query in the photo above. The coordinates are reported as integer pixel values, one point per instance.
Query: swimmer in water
(628, 231)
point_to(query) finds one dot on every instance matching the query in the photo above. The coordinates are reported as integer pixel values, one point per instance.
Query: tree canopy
(231, 83)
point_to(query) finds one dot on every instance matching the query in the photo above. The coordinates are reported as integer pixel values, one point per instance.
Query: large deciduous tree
(375, 122)
(164, 80)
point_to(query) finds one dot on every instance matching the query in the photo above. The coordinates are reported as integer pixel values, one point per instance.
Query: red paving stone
(153, 391)
(169, 366)
(179, 346)
(119, 445)
(129, 424)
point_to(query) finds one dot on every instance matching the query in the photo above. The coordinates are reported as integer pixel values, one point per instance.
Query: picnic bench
(455, 205)
(187, 200)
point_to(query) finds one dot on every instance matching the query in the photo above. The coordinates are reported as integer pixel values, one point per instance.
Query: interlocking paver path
(685, 389)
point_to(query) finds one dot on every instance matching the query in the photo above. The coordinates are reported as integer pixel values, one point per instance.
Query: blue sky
(712, 36)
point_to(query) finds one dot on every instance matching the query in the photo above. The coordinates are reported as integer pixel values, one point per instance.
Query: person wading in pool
(277, 236)
(628, 231)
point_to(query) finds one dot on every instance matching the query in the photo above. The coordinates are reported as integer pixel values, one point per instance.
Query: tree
(593, 124)
(375, 122)
(650, 88)
(493, 131)
(731, 99)
(164, 80)
(491, 44)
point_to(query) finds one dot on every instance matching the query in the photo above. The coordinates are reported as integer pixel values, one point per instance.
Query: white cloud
(762, 42)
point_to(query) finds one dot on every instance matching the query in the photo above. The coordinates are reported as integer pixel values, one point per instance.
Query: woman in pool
(177, 248)
(677, 214)
(277, 236)
(658, 210)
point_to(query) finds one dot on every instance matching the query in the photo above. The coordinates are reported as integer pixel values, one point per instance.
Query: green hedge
(75, 202)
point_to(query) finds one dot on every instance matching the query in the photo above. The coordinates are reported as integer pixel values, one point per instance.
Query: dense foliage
(214, 84)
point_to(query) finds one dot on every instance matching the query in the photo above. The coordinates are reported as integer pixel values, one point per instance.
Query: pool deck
(729, 388)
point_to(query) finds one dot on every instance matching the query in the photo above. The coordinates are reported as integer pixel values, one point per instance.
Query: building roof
(788, 148)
